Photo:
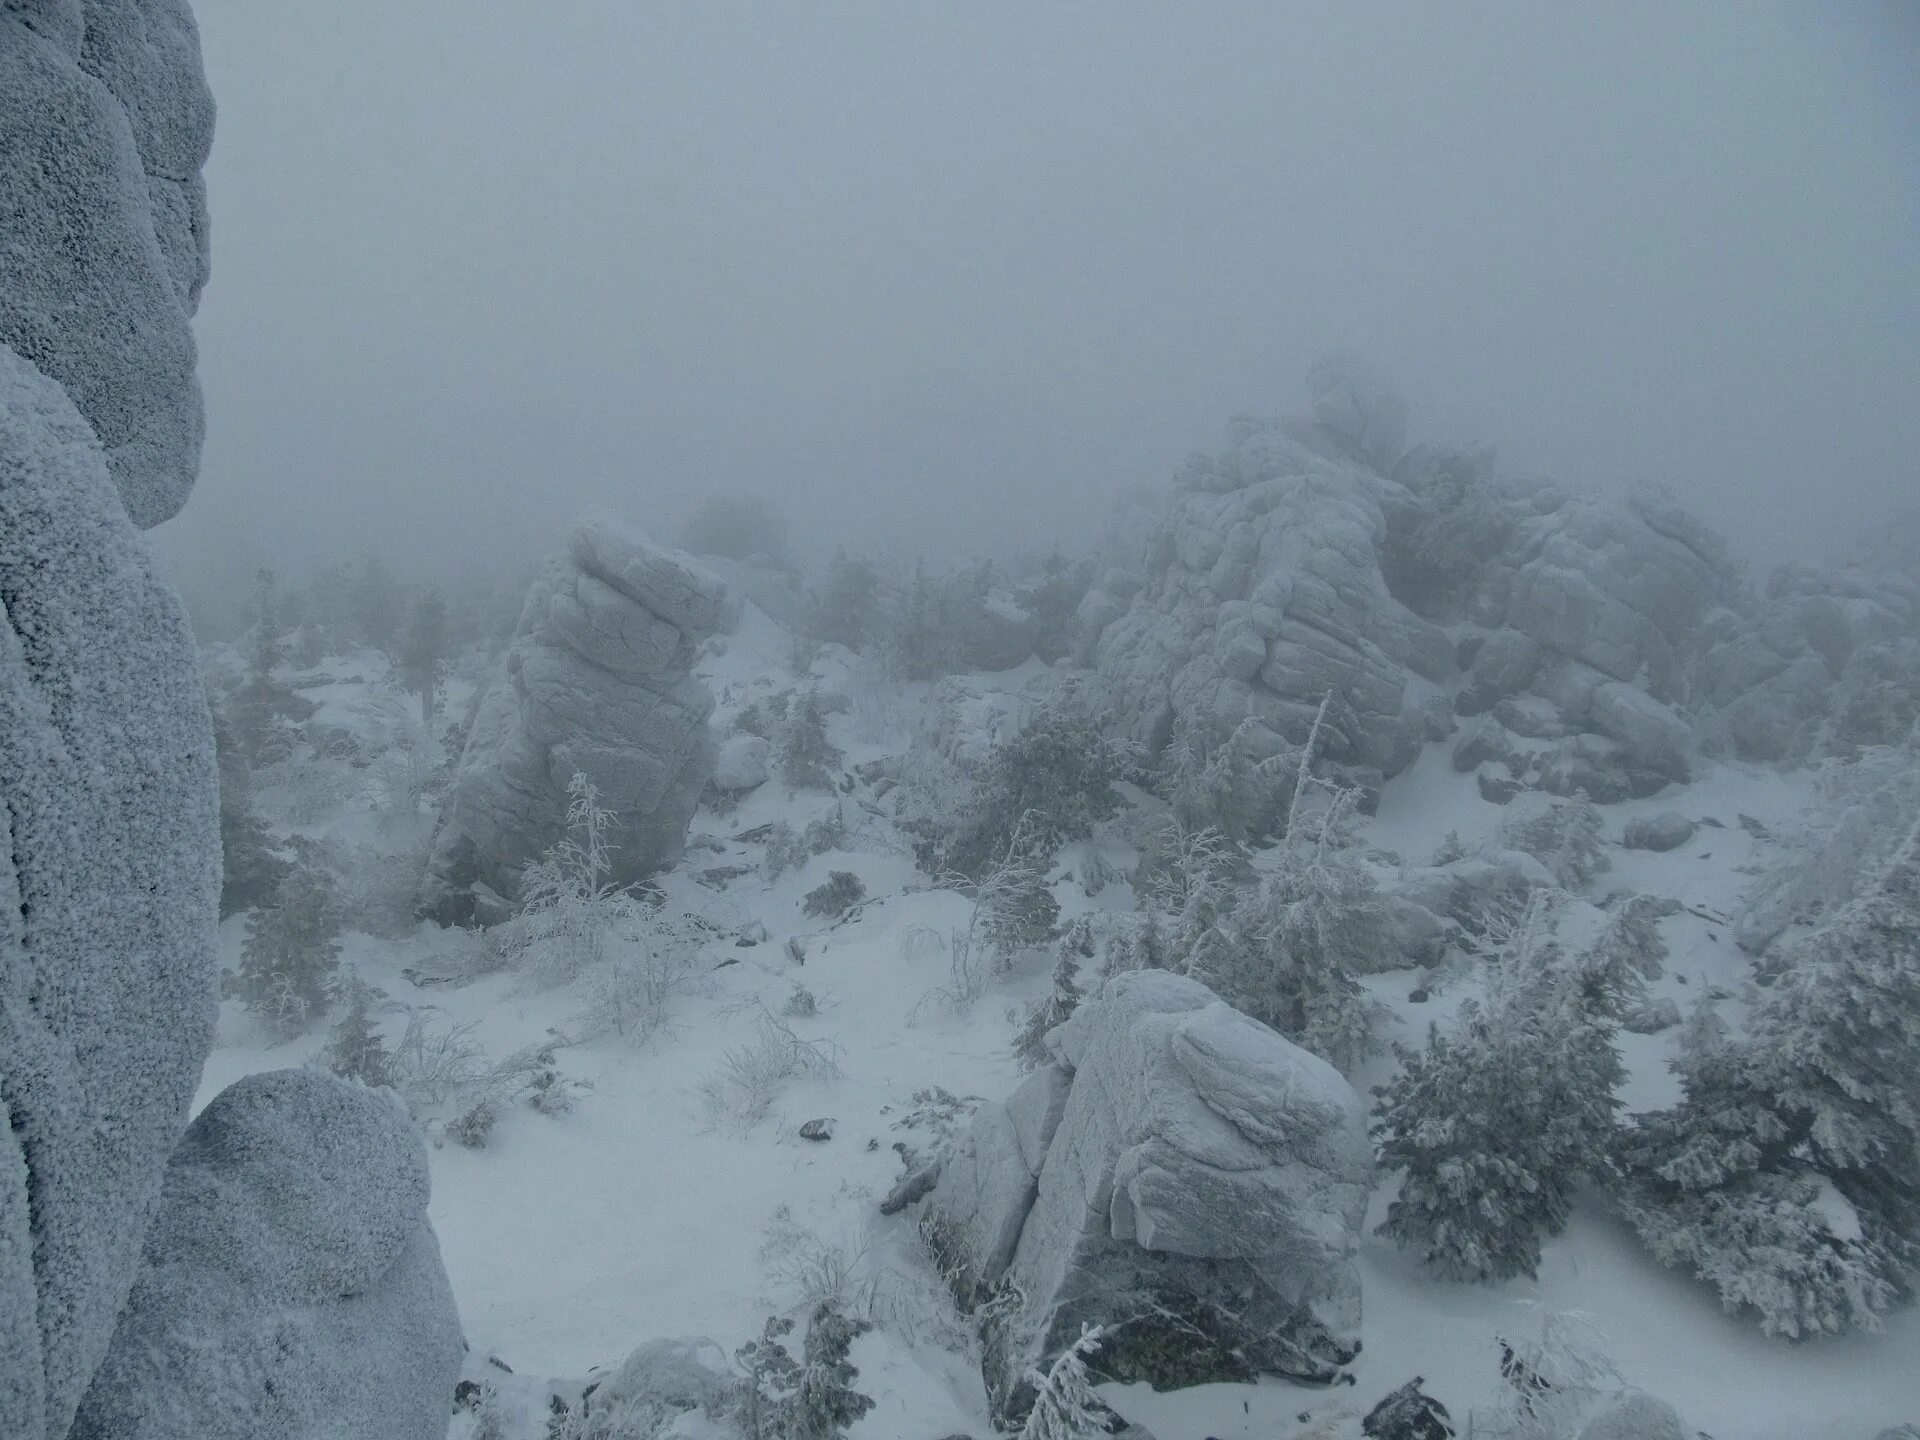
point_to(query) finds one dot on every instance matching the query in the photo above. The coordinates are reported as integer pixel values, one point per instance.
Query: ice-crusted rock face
(109, 882)
(1823, 661)
(1261, 592)
(1178, 1159)
(109, 839)
(105, 121)
(597, 682)
(291, 1285)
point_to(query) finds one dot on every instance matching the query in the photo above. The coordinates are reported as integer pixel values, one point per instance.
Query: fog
(949, 277)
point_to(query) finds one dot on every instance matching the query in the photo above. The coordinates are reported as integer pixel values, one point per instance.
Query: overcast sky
(952, 274)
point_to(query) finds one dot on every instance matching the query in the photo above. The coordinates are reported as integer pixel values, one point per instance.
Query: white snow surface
(572, 1240)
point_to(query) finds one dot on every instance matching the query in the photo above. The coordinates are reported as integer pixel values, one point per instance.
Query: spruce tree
(1295, 945)
(251, 869)
(291, 951)
(1569, 838)
(354, 1048)
(1789, 1174)
(424, 649)
(1064, 1405)
(824, 1401)
(1497, 1119)
(806, 757)
(1613, 972)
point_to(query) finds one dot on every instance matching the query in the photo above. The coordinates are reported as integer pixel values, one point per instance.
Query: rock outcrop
(1311, 558)
(105, 121)
(109, 830)
(291, 1285)
(106, 949)
(597, 682)
(1178, 1159)
(1824, 661)
(1262, 593)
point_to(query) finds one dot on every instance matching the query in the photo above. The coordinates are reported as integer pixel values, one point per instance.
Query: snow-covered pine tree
(1569, 837)
(1789, 1174)
(1029, 1041)
(251, 868)
(824, 1400)
(1494, 1122)
(1293, 948)
(806, 757)
(425, 647)
(1014, 905)
(846, 607)
(1064, 1405)
(1613, 972)
(772, 1375)
(291, 951)
(354, 1048)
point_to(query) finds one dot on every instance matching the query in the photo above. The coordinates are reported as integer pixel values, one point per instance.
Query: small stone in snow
(821, 1129)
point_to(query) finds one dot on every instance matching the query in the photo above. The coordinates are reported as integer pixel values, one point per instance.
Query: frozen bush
(841, 891)
(1568, 837)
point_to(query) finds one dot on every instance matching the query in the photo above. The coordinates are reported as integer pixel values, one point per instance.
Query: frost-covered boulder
(1618, 586)
(1636, 1416)
(290, 1285)
(1193, 1165)
(105, 120)
(1825, 660)
(1668, 830)
(1263, 593)
(598, 682)
(109, 881)
(742, 763)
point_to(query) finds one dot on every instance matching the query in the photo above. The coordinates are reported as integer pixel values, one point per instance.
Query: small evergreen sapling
(809, 1399)
(1064, 1405)
(841, 891)
(807, 759)
(1568, 837)
(291, 951)
(354, 1047)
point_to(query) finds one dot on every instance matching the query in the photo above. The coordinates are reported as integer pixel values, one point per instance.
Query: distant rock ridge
(1315, 557)
(598, 681)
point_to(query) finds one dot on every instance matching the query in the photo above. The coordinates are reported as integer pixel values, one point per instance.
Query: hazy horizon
(952, 278)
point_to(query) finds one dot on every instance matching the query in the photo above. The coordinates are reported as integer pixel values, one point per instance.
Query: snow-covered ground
(572, 1238)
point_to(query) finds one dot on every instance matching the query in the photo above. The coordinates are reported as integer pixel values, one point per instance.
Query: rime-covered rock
(1825, 659)
(742, 763)
(1620, 587)
(1263, 594)
(109, 881)
(1652, 735)
(1196, 1166)
(1668, 830)
(290, 1285)
(105, 120)
(597, 681)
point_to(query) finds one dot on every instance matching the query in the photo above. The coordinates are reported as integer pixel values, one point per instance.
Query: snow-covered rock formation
(292, 1227)
(1176, 1159)
(597, 682)
(1823, 661)
(109, 832)
(1311, 557)
(105, 120)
